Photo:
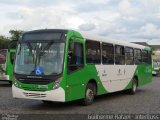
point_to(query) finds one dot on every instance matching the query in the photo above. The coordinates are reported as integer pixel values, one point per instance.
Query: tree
(15, 36)
(4, 42)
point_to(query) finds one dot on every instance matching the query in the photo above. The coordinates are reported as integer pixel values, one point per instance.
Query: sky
(127, 20)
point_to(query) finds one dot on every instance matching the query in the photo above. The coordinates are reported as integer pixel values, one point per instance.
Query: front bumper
(52, 95)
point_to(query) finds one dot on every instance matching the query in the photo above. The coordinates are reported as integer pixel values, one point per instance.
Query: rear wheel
(134, 86)
(89, 94)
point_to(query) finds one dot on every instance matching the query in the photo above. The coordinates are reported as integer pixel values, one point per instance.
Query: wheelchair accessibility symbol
(39, 71)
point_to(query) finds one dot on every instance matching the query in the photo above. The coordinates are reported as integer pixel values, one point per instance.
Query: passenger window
(75, 56)
(150, 58)
(137, 56)
(129, 56)
(107, 53)
(119, 55)
(145, 57)
(93, 52)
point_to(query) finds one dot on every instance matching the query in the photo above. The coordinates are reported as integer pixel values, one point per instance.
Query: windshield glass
(39, 58)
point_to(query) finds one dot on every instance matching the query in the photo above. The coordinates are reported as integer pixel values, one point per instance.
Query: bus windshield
(39, 58)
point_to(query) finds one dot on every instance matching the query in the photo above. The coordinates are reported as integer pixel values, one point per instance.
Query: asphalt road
(145, 101)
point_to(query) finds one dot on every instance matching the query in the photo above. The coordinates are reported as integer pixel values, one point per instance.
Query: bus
(6, 64)
(66, 65)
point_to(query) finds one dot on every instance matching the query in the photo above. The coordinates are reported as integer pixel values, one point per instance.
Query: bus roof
(46, 30)
(112, 41)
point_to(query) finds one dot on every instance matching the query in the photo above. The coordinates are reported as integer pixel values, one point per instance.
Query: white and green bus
(6, 64)
(65, 65)
(155, 67)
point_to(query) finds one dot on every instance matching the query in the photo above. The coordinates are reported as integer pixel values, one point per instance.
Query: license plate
(42, 86)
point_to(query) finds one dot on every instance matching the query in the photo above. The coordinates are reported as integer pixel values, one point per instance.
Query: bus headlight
(57, 83)
(15, 83)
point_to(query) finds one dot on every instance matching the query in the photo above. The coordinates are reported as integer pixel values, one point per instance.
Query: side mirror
(69, 56)
(70, 53)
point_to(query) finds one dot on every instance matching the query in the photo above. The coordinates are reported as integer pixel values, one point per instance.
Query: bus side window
(107, 53)
(145, 57)
(75, 56)
(137, 56)
(119, 55)
(129, 56)
(93, 52)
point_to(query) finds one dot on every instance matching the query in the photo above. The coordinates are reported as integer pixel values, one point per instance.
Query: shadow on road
(58, 106)
(53, 106)
(115, 95)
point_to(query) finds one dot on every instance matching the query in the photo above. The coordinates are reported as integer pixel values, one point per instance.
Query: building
(155, 47)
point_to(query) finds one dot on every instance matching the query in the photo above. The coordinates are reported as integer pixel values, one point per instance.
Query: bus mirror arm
(70, 54)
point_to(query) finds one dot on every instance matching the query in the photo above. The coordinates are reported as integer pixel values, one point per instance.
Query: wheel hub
(89, 95)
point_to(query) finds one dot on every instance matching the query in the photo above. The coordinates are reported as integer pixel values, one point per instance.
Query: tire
(89, 94)
(133, 90)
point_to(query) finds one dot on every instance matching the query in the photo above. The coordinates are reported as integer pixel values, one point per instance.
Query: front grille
(34, 95)
(35, 81)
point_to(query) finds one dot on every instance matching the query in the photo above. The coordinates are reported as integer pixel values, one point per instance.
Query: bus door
(75, 69)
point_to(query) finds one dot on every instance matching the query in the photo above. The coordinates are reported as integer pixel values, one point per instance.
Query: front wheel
(134, 86)
(89, 94)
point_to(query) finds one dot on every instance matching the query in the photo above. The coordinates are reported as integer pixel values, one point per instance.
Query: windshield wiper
(47, 47)
(38, 51)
